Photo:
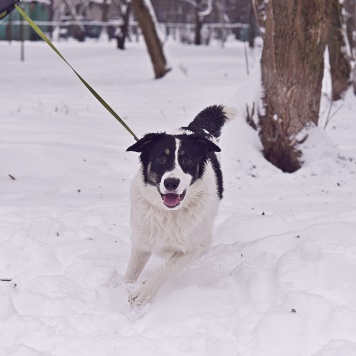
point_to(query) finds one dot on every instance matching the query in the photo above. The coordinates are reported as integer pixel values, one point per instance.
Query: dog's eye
(162, 159)
(186, 161)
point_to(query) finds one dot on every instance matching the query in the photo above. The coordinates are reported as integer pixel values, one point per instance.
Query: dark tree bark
(124, 27)
(149, 31)
(252, 25)
(350, 8)
(339, 61)
(350, 19)
(202, 8)
(104, 16)
(292, 71)
(198, 27)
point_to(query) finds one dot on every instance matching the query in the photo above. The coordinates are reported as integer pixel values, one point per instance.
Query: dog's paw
(142, 296)
(138, 313)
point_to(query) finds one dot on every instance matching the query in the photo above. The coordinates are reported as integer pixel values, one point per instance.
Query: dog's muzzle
(172, 199)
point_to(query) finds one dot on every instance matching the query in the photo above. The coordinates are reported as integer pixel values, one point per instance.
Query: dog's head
(171, 164)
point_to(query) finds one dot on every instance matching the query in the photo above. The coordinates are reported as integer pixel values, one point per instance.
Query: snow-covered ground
(280, 278)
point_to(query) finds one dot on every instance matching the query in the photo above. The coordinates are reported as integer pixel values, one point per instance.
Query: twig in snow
(330, 116)
(246, 59)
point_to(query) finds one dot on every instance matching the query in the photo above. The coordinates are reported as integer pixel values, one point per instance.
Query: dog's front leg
(138, 260)
(147, 291)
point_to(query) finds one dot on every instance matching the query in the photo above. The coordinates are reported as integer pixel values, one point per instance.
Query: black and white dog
(174, 198)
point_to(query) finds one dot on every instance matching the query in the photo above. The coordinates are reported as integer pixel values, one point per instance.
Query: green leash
(98, 97)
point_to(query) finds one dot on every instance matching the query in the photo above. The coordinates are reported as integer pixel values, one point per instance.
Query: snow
(280, 278)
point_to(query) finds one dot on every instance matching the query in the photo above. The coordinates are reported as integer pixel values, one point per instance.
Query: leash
(89, 87)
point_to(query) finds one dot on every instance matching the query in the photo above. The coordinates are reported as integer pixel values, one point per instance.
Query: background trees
(146, 19)
(296, 36)
(122, 31)
(339, 58)
(292, 73)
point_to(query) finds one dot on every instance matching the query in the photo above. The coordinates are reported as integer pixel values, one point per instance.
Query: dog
(174, 198)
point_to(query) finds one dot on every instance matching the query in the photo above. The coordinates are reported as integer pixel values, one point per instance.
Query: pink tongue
(171, 199)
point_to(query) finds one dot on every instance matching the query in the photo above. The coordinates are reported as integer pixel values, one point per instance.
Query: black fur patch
(211, 119)
(203, 150)
(218, 174)
(154, 157)
(198, 150)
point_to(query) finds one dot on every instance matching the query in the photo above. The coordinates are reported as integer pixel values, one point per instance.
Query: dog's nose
(171, 184)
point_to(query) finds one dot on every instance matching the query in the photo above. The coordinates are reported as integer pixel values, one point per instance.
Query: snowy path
(280, 278)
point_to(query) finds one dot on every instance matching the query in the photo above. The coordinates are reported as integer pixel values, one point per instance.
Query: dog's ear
(208, 145)
(145, 142)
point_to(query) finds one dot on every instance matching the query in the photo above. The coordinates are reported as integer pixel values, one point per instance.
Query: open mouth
(171, 200)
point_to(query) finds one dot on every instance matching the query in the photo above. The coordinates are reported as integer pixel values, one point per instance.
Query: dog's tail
(212, 119)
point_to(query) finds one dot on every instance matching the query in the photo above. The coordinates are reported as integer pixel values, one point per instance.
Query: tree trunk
(252, 25)
(201, 9)
(197, 28)
(292, 72)
(123, 30)
(350, 9)
(153, 43)
(339, 61)
(104, 17)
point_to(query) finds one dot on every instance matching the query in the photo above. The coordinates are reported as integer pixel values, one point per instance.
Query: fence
(16, 29)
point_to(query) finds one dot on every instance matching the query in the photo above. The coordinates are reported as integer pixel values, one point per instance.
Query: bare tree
(202, 8)
(146, 19)
(292, 71)
(252, 24)
(79, 29)
(104, 16)
(338, 57)
(123, 30)
(350, 12)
